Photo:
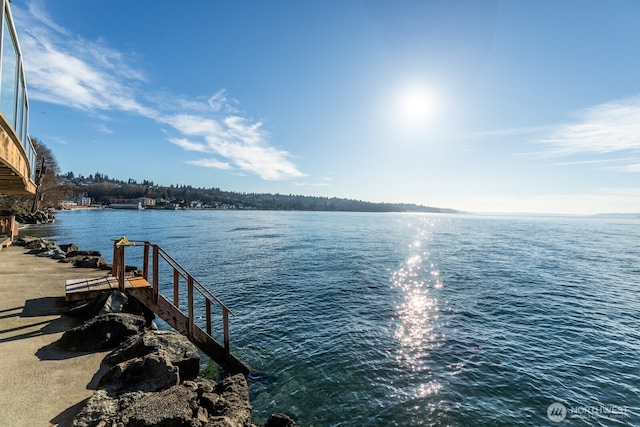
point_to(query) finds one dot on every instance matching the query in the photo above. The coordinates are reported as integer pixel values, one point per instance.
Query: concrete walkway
(40, 385)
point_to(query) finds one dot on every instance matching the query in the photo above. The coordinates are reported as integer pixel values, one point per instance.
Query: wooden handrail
(157, 253)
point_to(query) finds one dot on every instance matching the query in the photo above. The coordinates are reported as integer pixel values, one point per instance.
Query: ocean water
(358, 319)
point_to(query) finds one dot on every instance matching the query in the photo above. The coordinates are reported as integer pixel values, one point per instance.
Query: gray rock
(232, 407)
(69, 247)
(174, 407)
(203, 403)
(279, 420)
(102, 332)
(114, 304)
(103, 410)
(181, 352)
(81, 261)
(153, 372)
(75, 253)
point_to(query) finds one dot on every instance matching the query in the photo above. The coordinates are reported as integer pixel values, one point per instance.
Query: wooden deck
(79, 289)
(146, 289)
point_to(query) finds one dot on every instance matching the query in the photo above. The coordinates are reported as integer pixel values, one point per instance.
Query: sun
(415, 106)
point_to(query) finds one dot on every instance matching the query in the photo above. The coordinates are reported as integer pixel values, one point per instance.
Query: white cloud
(605, 128)
(188, 145)
(242, 142)
(211, 163)
(220, 102)
(81, 74)
(104, 129)
(72, 71)
(634, 168)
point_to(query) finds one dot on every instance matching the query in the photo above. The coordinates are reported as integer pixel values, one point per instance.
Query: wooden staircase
(146, 289)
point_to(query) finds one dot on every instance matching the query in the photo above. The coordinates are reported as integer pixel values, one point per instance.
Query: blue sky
(482, 106)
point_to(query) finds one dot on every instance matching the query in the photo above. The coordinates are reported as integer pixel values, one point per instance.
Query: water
(353, 319)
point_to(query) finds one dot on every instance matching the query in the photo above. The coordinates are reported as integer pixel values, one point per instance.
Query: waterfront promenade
(40, 385)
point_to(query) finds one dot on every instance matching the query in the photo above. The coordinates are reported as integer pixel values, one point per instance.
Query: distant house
(145, 201)
(83, 201)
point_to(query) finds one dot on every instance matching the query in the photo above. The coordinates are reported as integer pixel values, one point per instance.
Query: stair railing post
(145, 262)
(121, 269)
(190, 305)
(208, 315)
(176, 288)
(156, 270)
(225, 328)
(114, 267)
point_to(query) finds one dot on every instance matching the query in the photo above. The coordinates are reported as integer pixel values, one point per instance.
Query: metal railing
(155, 254)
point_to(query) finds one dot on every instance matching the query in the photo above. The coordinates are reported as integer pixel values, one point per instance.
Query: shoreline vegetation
(101, 191)
(150, 376)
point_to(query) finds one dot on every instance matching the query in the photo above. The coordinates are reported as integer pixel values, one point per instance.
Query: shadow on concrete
(49, 328)
(7, 316)
(93, 384)
(53, 352)
(65, 418)
(11, 309)
(45, 306)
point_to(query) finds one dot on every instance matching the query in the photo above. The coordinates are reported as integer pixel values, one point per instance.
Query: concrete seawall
(40, 385)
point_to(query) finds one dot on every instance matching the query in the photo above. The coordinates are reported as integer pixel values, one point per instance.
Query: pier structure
(187, 306)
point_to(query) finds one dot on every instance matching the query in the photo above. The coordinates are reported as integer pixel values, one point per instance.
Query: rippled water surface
(352, 319)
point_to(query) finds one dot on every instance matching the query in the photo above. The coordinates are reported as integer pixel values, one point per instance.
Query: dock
(80, 289)
(172, 308)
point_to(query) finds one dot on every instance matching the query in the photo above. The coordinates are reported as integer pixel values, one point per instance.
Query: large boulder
(174, 407)
(228, 403)
(203, 403)
(279, 420)
(103, 332)
(101, 408)
(69, 247)
(153, 372)
(181, 352)
(82, 261)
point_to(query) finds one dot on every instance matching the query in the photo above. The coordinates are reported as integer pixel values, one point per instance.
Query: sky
(479, 105)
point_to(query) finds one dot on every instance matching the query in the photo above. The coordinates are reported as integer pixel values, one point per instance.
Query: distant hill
(104, 190)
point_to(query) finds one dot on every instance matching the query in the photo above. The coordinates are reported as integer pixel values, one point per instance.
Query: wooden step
(79, 289)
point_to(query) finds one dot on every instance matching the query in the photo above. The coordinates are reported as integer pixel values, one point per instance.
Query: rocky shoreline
(149, 378)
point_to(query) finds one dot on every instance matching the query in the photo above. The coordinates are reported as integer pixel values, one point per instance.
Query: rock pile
(151, 377)
(65, 253)
(39, 217)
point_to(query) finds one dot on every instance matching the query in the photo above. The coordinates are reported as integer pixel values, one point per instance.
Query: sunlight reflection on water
(417, 328)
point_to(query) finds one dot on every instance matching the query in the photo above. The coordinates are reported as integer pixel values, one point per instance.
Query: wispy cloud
(87, 75)
(632, 168)
(605, 128)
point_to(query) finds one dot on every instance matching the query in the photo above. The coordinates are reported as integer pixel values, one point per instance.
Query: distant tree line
(103, 189)
(55, 188)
